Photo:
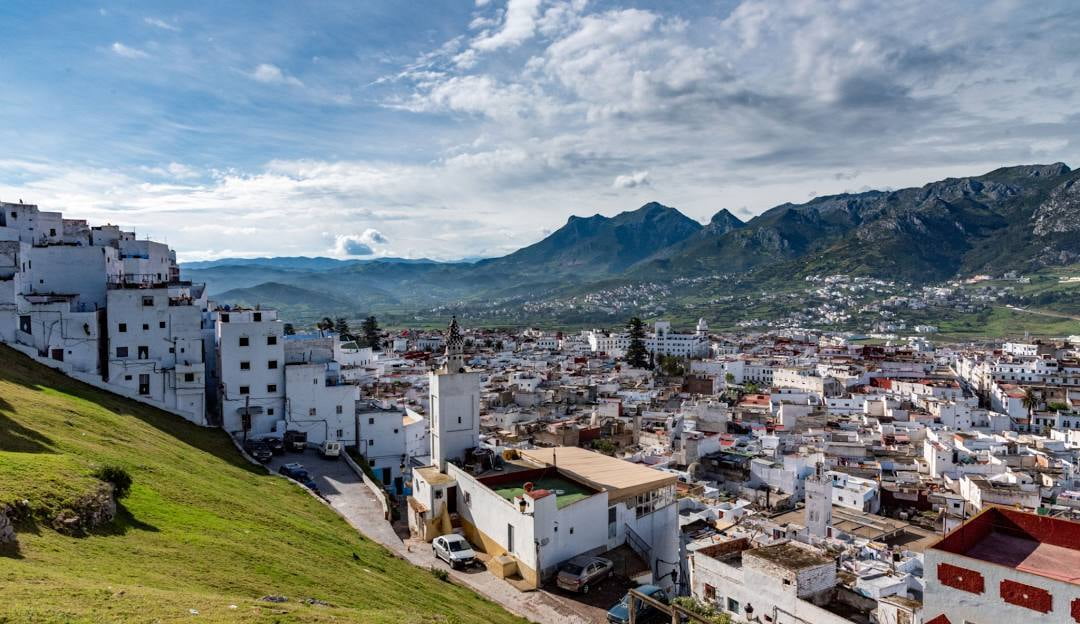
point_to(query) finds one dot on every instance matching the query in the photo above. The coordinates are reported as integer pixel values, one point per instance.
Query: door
(386, 476)
(399, 486)
(612, 527)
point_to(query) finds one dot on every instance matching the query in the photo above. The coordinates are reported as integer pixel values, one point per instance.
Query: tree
(289, 330)
(729, 378)
(370, 330)
(1030, 402)
(325, 325)
(341, 326)
(671, 366)
(751, 388)
(635, 353)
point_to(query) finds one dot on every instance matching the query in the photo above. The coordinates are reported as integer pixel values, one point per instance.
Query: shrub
(118, 477)
(708, 612)
(440, 574)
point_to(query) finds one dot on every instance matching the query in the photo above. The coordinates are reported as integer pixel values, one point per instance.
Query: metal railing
(638, 545)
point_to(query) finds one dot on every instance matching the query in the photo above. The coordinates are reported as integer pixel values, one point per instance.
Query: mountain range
(1013, 218)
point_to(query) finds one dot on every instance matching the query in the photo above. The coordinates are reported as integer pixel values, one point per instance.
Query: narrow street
(348, 494)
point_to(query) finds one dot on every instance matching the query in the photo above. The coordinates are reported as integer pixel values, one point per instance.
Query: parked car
(295, 471)
(276, 444)
(295, 440)
(581, 573)
(454, 550)
(620, 613)
(259, 450)
(330, 449)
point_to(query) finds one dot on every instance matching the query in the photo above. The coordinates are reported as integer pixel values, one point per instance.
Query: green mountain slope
(201, 530)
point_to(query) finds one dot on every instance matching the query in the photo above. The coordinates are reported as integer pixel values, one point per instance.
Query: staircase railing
(638, 545)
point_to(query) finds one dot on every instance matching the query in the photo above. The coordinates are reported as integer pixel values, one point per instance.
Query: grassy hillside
(201, 529)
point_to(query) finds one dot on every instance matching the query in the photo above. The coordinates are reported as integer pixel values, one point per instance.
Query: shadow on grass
(11, 551)
(19, 369)
(17, 438)
(124, 522)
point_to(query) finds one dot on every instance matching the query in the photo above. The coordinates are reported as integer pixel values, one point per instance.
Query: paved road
(348, 494)
(1044, 313)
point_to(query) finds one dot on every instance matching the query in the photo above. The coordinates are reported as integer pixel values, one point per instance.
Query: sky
(468, 129)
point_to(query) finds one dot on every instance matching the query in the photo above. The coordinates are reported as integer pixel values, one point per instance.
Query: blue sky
(448, 130)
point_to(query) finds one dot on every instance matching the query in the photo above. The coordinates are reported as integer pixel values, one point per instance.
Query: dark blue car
(620, 613)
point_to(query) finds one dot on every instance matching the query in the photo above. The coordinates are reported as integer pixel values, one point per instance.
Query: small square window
(127, 377)
(371, 421)
(122, 328)
(189, 376)
(161, 325)
(257, 317)
(371, 442)
(269, 411)
(146, 326)
(340, 434)
(224, 318)
(338, 409)
(272, 364)
(271, 388)
(245, 390)
(121, 352)
(311, 412)
(243, 341)
(245, 365)
(271, 340)
(148, 301)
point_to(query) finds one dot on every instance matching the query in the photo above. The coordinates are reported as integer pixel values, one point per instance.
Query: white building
(1004, 566)
(455, 404)
(250, 368)
(661, 341)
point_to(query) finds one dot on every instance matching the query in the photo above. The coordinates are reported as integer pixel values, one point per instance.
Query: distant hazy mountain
(599, 245)
(1012, 218)
(318, 263)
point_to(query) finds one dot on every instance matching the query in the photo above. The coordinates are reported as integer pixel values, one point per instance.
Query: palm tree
(1030, 402)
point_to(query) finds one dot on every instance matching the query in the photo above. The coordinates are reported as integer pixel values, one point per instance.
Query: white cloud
(373, 237)
(519, 24)
(272, 74)
(351, 245)
(160, 23)
(126, 51)
(633, 180)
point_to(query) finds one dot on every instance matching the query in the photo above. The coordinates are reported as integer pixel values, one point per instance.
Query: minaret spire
(455, 348)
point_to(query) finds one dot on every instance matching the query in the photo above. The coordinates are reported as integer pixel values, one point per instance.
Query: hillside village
(773, 474)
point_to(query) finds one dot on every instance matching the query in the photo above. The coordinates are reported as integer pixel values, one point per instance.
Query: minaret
(455, 403)
(819, 502)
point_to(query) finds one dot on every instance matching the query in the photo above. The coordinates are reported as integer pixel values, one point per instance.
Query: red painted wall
(961, 578)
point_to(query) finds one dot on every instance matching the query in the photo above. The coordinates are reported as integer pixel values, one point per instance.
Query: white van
(330, 449)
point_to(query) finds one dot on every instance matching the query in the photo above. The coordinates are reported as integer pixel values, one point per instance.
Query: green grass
(572, 491)
(201, 529)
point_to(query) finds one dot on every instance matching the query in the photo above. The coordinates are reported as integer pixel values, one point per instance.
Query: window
(340, 434)
(257, 317)
(189, 376)
(122, 328)
(121, 352)
(269, 411)
(243, 341)
(271, 340)
(371, 442)
(245, 365)
(245, 390)
(144, 383)
(161, 325)
(371, 421)
(272, 364)
(732, 605)
(710, 592)
(311, 411)
(510, 538)
(127, 377)
(339, 410)
(148, 302)
(224, 318)
(144, 352)
(395, 430)
(146, 326)
(271, 388)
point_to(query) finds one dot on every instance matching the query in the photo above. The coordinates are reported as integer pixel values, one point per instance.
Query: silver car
(581, 573)
(454, 550)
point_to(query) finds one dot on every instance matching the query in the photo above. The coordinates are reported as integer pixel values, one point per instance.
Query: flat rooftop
(790, 555)
(1040, 545)
(566, 491)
